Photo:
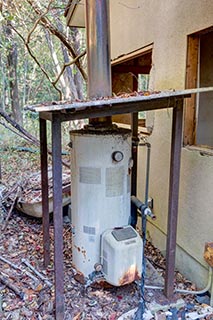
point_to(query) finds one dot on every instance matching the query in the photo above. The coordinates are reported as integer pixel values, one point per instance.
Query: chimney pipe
(98, 53)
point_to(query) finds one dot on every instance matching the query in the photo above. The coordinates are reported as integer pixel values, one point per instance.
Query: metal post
(0, 172)
(98, 51)
(57, 216)
(44, 188)
(173, 197)
(135, 140)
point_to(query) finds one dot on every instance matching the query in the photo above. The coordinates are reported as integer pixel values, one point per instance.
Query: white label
(114, 181)
(90, 175)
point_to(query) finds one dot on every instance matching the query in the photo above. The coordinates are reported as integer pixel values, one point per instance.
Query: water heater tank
(100, 190)
(121, 255)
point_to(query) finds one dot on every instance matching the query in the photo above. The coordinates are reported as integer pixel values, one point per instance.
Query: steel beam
(44, 188)
(57, 216)
(173, 197)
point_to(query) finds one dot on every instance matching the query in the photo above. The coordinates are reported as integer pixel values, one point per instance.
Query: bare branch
(16, 132)
(48, 25)
(37, 22)
(37, 62)
(18, 127)
(69, 64)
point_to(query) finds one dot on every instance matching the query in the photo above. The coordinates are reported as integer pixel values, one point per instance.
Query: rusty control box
(121, 255)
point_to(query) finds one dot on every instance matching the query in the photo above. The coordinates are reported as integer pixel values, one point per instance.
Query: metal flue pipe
(98, 52)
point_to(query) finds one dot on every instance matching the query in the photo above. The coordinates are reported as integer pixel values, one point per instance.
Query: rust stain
(208, 254)
(79, 277)
(129, 276)
(81, 250)
(77, 248)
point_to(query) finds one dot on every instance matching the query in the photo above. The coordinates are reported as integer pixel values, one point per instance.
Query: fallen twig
(12, 207)
(1, 301)
(25, 133)
(23, 272)
(9, 192)
(10, 263)
(41, 276)
(11, 286)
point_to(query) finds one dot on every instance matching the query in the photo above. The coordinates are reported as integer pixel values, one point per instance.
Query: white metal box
(121, 255)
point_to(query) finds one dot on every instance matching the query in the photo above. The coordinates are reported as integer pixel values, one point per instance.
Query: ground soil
(22, 239)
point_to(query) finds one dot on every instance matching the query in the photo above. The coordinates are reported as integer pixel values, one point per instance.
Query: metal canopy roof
(112, 106)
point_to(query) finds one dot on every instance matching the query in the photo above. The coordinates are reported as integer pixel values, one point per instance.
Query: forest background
(41, 59)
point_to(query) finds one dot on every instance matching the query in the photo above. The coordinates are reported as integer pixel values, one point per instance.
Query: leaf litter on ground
(22, 239)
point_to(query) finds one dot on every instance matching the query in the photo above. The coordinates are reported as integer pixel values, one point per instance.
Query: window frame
(191, 81)
(121, 66)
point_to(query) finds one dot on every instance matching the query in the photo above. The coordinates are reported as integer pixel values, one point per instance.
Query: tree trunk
(75, 36)
(12, 59)
(3, 83)
(68, 74)
(64, 88)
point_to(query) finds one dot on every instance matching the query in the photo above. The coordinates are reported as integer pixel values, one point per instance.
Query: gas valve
(117, 156)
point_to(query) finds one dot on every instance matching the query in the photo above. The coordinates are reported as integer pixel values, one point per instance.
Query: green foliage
(143, 85)
(41, 56)
(27, 27)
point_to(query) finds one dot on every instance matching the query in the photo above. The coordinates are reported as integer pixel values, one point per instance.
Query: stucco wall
(166, 23)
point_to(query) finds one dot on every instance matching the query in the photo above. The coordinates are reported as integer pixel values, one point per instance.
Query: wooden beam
(191, 82)
(132, 55)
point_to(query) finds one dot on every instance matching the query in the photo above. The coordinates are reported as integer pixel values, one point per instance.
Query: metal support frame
(134, 127)
(56, 117)
(44, 187)
(58, 218)
(173, 197)
(134, 152)
(57, 208)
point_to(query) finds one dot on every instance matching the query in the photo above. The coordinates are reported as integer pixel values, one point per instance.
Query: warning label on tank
(90, 175)
(115, 181)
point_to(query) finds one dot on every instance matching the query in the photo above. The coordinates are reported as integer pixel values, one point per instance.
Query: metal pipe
(135, 141)
(206, 288)
(142, 207)
(141, 308)
(148, 145)
(98, 52)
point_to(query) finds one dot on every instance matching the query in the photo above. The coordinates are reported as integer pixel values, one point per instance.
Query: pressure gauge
(117, 156)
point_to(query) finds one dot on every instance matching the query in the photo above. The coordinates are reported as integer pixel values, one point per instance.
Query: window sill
(141, 130)
(203, 150)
